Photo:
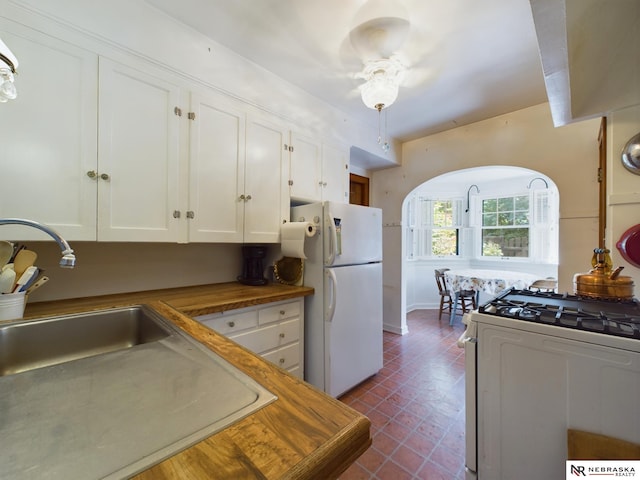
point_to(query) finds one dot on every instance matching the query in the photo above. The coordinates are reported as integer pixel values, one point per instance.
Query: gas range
(619, 318)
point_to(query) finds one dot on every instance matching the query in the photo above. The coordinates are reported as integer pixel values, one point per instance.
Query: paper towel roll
(292, 237)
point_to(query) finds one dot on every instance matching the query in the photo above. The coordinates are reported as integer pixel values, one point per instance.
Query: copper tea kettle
(602, 281)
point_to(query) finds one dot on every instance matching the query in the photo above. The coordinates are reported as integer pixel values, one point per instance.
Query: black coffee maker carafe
(252, 269)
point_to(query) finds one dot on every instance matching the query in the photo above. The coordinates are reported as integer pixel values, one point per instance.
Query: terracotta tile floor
(415, 404)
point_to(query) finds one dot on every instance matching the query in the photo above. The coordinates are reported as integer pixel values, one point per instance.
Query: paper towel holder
(316, 223)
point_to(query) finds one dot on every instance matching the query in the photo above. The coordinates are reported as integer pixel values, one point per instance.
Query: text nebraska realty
(620, 471)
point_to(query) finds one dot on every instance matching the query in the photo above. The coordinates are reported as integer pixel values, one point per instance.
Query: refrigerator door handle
(332, 292)
(333, 238)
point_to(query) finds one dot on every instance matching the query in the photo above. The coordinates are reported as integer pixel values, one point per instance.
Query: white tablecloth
(489, 281)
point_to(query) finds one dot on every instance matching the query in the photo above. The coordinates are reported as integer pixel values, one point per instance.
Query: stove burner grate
(620, 318)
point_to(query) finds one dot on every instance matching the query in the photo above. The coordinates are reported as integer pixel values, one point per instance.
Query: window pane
(505, 204)
(522, 203)
(505, 242)
(505, 219)
(490, 205)
(489, 219)
(444, 242)
(522, 218)
(442, 214)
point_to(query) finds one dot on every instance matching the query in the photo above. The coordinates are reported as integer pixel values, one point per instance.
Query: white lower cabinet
(275, 331)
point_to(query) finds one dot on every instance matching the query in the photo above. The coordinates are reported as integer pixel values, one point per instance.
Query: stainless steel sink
(40, 343)
(107, 394)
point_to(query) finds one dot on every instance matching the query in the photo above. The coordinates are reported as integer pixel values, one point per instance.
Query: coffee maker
(252, 269)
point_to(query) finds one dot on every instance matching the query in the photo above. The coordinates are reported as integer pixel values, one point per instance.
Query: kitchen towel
(292, 237)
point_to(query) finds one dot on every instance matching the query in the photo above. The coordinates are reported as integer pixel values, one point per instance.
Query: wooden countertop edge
(323, 464)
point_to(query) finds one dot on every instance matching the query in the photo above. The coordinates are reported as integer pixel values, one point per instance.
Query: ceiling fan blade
(379, 37)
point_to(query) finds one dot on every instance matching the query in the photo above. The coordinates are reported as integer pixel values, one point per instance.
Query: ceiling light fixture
(8, 66)
(383, 79)
(380, 90)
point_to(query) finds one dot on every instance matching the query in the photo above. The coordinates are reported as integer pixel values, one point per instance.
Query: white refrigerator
(343, 319)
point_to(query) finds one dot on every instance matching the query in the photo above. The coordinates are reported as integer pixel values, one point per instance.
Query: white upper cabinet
(184, 165)
(217, 140)
(139, 161)
(305, 168)
(49, 137)
(335, 173)
(103, 145)
(265, 183)
(318, 171)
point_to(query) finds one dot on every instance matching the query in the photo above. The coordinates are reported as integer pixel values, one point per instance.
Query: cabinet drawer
(269, 337)
(229, 323)
(285, 357)
(278, 312)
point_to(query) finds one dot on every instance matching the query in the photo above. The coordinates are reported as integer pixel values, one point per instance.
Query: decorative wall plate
(629, 245)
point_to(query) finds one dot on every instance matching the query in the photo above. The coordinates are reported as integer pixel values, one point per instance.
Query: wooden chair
(549, 284)
(466, 301)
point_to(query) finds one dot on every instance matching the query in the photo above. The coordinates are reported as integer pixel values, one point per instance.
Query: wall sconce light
(469, 191)
(8, 68)
(546, 185)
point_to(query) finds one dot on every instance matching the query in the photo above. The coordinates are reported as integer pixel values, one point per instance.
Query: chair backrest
(440, 280)
(549, 284)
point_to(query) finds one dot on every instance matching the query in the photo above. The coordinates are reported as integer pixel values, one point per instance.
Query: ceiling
(468, 60)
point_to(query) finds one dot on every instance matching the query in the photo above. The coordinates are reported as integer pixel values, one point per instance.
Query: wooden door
(358, 190)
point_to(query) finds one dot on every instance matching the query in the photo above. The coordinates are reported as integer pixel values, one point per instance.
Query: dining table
(492, 282)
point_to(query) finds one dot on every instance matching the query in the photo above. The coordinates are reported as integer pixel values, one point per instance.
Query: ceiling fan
(384, 42)
(381, 43)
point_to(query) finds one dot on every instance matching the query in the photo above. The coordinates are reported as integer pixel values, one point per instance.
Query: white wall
(526, 138)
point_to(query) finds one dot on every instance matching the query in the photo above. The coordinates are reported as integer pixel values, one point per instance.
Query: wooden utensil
(24, 259)
(6, 252)
(39, 282)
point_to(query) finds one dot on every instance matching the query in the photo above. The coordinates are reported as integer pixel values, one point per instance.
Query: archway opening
(493, 217)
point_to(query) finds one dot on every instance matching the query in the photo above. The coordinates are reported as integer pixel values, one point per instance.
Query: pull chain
(385, 145)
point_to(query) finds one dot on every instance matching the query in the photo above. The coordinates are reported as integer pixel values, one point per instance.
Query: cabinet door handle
(190, 214)
(248, 197)
(282, 335)
(92, 174)
(242, 197)
(176, 214)
(231, 324)
(282, 312)
(104, 176)
(281, 361)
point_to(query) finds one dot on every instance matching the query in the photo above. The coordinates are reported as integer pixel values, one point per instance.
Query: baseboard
(395, 329)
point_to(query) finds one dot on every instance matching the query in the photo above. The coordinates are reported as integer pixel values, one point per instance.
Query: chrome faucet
(68, 259)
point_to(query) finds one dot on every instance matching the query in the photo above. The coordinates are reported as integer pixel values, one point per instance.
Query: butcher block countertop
(304, 434)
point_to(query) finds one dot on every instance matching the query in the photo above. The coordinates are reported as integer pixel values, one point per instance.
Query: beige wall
(103, 268)
(526, 138)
